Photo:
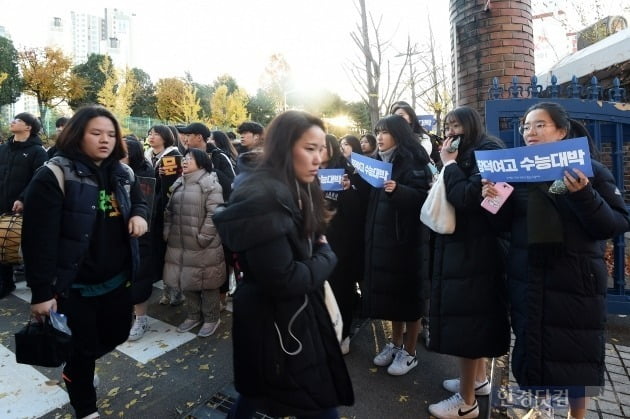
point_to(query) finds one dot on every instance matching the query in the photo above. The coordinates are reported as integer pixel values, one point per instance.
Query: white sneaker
(403, 363)
(140, 326)
(208, 329)
(387, 355)
(454, 408)
(345, 346)
(187, 325)
(481, 388)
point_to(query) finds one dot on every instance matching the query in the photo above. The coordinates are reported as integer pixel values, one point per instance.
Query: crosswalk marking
(158, 340)
(24, 391)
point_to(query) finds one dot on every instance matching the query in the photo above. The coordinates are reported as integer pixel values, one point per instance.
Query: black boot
(6, 288)
(6, 280)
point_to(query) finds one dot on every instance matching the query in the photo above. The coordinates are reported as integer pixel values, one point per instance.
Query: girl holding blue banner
(557, 275)
(397, 244)
(468, 310)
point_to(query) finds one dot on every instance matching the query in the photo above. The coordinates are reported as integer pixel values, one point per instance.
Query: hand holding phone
(454, 145)
(503, 190)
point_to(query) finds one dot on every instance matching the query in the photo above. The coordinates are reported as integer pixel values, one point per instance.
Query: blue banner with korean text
(374, 172)
(330, 179)
(536, 163)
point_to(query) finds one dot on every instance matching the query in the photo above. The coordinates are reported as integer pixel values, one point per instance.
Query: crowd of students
(257, 209)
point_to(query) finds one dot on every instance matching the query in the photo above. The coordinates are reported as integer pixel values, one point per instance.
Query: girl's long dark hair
(474, 130)
(407, 144)
(280, 137)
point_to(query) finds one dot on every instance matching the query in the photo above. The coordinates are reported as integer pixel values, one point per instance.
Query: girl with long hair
(287, 360)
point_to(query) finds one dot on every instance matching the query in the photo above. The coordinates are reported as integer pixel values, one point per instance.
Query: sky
(213, 37)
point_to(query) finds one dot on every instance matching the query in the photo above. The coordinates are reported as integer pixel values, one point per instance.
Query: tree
(275, 80)
(367, 74)
(225, 80)
(262, 107)
(188, 105)
(91, 72)
(168, 93)
(10, 81)
(47, 76)
(144, 100)
(432, 81)
(118, 92)
(228, 110)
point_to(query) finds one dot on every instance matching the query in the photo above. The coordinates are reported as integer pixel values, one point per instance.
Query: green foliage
(144, 103)
(262, 107)
(228, 109)
(91, 72)
(11, 86)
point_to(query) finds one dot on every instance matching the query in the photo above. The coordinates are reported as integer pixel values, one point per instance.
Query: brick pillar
(489, 39)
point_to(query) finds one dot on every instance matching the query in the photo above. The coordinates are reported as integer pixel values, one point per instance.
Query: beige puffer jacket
(194, 255)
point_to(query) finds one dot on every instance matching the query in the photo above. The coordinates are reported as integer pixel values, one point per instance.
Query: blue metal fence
(608, 120)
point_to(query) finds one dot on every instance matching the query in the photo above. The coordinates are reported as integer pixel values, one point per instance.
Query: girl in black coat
(287, 360)
(468, 311)
(396, 244)
(345, 234)
(557, 276)
(165, 158)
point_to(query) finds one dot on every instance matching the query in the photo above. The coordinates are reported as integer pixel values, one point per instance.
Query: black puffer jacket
(559, 313)
(397, 245)
(468, 310)
(18, 162)
(281, 293)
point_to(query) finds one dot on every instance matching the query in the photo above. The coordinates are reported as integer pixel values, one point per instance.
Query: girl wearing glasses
(557, 276)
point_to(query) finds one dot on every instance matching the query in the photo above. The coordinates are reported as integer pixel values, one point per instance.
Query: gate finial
(574, 89)
(616, 93)
(594, 90)
(534, 89)
(495, 90)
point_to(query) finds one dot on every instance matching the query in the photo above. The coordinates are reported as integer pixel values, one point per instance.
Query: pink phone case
(494, 204)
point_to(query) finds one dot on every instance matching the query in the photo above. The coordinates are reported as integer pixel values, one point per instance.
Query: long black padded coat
(468, 309)
(559, 313)
(281, 297)
(397, 245)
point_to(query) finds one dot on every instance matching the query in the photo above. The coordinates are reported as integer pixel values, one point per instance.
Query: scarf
(545, 235)
(387, 155)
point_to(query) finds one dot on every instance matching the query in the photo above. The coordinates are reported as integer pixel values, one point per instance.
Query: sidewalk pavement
(613, 403)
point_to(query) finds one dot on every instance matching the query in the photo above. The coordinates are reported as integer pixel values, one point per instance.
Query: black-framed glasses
(538, 126)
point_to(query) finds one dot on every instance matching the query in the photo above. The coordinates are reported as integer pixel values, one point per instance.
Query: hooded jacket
(286, 354)
(18, 162)
(194, 258)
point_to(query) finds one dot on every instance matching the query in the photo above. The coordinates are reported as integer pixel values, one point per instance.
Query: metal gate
(608, 121)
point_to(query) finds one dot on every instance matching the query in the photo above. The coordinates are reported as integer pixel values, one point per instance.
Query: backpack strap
(58, 174)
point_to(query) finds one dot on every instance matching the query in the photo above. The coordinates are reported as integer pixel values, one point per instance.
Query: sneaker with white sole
(454, 408)
(140, 326)
(403, 363)
(187, 325)
(387, 355)
(208, 329)
(481, 388)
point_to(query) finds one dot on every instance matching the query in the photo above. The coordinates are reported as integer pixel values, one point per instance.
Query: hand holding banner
(330, 179)
(374, 172)
(536, 163)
